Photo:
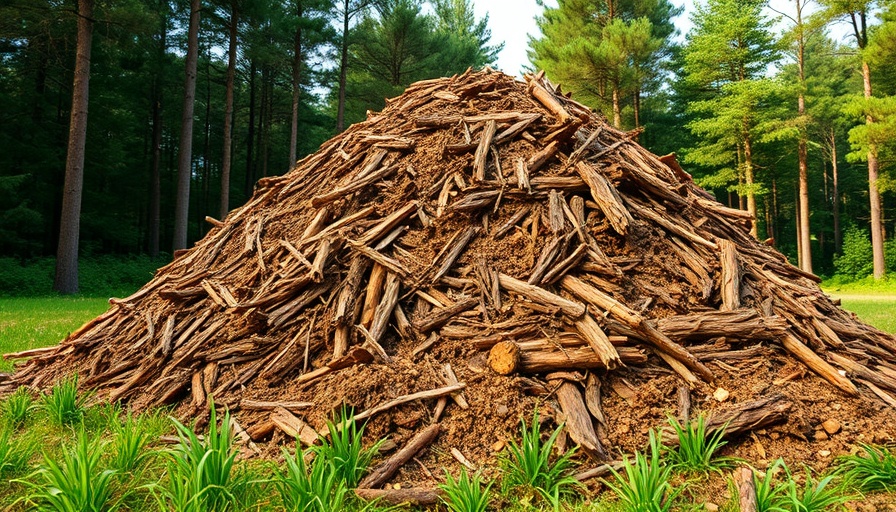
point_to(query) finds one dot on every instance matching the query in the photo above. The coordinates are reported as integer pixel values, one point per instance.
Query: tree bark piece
(419, 496)
(294, 427)
(439, 317)
(817, 364)
(730, 283)
(385, 470)
(746, 490)
(578, 420)
(542, 296)
(606, 197)
(420, 395)
(481, 156)
(502, 359)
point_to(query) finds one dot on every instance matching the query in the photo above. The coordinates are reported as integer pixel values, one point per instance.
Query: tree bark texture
(185, 149)
(69, 226)
(228, 110)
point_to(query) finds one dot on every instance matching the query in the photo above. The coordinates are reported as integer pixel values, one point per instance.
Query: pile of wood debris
(481, 245)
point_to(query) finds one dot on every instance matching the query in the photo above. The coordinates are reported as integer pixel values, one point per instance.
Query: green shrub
(645, 486)
(528, 464)
(856, 260)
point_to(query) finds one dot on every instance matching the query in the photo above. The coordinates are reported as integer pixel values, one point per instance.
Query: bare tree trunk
(805, 238)
(69, 228)
(155, 180)
(296, 86)
(838, 236)
(343, 66)
(250, 137)
(617, 110)
(228, 110)
(185, 148)
(877, 232)
(749, 181)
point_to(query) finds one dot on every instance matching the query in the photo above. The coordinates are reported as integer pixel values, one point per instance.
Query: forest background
(125, 123)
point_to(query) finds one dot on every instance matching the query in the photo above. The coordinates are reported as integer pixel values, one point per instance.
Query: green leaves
(696, 450)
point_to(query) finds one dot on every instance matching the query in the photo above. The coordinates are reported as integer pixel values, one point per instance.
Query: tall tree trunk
(835, 184)
(805, 235)
(877, 231)
(228, 111)
(69, 227)
(250, 137)
(206, 147)
(343, 66)
(185, 148)
(636, 106)
(155, 179)
(617, 110)
(267, 79)
(297, 61)
(749, 181)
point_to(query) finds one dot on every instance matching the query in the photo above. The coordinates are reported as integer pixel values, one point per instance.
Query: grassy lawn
(27, 323)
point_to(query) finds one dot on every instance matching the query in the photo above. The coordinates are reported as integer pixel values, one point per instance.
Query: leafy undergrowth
(59, 453)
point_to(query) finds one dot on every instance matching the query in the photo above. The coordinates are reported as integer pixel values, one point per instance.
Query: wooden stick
(549, 101)
(263, 405)
(421, 395)
(388, 223)
(440, 316)
(541, 296)
(506, 357)
(537, 160)
(419, 496)
(294, 427)
(480, 158)
(598, 340)
(385, 470)
(606, 197)
(796, 347)
(578, 420)
(384, 309)
(746, 489)
(730, 284)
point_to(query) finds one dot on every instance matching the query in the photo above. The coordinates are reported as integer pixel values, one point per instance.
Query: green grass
(27, 323)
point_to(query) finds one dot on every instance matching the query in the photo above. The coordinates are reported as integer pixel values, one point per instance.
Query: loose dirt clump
(480, 247)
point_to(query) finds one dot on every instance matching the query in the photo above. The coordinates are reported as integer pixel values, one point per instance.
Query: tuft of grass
(64, 405)
(201, 474)
(696, 451)
(771, 496)
(14, 453)
(528, 464)
(645, 486)
(466, 493)
(17, 407)
(129, 444)
(815, 495)
(872, 469)
(344, 448)
(321, 489)
(75, 483)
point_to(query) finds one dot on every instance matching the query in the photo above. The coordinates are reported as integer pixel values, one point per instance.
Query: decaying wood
(578, 420)
(746, 489)
(730, 276)
(449, 224)
(294, 427)
(433, 393)
(419, 496)
(386, 469)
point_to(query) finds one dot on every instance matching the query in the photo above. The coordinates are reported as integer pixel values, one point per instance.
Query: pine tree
(726, 56)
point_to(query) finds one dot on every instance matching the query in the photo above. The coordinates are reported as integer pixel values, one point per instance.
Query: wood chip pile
(482, 239)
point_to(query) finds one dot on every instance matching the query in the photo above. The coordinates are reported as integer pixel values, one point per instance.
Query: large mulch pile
(480, 246)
